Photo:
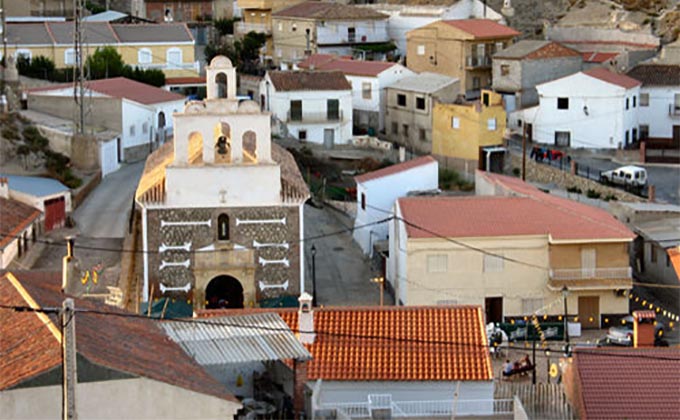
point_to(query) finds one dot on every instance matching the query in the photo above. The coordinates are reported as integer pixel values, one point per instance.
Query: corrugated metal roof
(237, 339)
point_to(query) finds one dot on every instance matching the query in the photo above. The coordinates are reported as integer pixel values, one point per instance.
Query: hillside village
(302, 209)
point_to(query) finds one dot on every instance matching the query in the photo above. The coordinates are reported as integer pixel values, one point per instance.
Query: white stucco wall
(381, 193)
(39, 202)
(11, 250)
(118, 399)
(397, 262)
(607, 119)
(657, 115)
(358, 391)
(135, 114)
(336, 31)
(314, 106)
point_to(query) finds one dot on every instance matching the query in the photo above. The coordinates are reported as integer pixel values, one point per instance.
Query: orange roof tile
(483, 28)
(395, 343)
(529, 212)
(597, 57)
(14, 218)
(394, 169)
(346, 66)
(613, 78)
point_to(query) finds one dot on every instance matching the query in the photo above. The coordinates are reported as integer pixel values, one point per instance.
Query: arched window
(250, 146)
(144, 56)
(221, 82)
(223, 227)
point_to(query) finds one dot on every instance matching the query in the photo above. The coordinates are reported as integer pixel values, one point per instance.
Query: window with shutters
(366, 90)
(437, 263)
(644, 99)
(531, 306)
(493, 263)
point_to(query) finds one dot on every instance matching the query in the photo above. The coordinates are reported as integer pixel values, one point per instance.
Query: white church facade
(222, 206)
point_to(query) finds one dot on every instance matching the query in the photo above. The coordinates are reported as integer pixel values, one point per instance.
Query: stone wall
(545, 174)
(237, 257)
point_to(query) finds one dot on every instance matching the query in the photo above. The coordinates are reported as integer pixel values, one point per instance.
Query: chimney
(306, 319)
(643, 328)
(70, 274)
(4, 188)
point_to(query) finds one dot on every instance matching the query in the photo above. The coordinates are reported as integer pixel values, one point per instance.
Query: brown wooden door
(494, 309)
(676, 135)
(589, 312)
(55, 213)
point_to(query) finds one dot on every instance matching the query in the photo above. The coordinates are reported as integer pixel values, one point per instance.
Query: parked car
(622, 335)
(627, 176)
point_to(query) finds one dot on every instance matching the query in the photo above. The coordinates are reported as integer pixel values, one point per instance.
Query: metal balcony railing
(591, 273)
(478, 62)
(420, 409)
(315, 117)
(170, 66)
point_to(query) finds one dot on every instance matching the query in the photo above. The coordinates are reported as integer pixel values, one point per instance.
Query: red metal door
(55, 213)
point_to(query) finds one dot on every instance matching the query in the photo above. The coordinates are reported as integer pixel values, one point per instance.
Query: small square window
(302, 135)
(420, 103)
(405, 130)
(437, 263)
(644, 99)
(491, 124)
(505, 69)
(562, 103)
(132, 130)
(395, 128)
(421, 50)
(401, 99)
(366, 90)
(455, 122)
(422, 134)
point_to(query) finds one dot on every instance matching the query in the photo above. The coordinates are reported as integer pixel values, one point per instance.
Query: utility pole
(68, 357)
(4, 45)
(524, 151)
(78, 69)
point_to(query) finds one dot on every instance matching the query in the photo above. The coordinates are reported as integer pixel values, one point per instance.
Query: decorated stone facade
(222, 206)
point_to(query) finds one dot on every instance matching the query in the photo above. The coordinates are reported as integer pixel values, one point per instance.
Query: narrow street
(343, 274)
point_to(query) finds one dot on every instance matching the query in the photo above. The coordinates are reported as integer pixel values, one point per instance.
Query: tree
(244, 54)
(104, 63)
(40, 67)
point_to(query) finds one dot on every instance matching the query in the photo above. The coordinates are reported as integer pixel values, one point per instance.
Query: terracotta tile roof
(394, 169)
(483, 28)
(656, 74)
(133, 345)
(393, 343)
(674, 254)
(536, 50)
(184, 80)
(14, 218)
(328, 11)
(597, 57)
(628, 383)
(528, 211)
(613, 78)
(346, 66)
(120, 87)
(285, 81)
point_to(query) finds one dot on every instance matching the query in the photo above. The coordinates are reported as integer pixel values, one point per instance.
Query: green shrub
(34, 140)
(610, 197)
(593, 194)
(10, 133)
(516, 171)
(575, 190)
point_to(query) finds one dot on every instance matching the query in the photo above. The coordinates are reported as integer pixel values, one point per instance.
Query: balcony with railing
(382, 406)
(242, 28)
(170, 66)
(591, 278)
(477, 62)
(315, 117)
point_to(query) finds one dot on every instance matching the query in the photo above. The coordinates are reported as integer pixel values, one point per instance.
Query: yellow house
(513, 249)
(167, 47)
(257, 17)
(458, 48)
(459, 130)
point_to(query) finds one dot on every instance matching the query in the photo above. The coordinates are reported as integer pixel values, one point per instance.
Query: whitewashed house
(47, 195)
(314, 106)
(378, 190)
(368, 80)
(19, 225)
(406, 17)
(659, 112)
(139, 112)
(591, 109)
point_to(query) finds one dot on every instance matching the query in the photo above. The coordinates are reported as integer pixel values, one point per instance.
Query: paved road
(342, 273)
(104, 213)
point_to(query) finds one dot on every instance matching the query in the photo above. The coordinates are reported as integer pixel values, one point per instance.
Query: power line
(212, 322)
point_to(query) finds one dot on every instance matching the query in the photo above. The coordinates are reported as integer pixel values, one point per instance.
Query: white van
(629, 176)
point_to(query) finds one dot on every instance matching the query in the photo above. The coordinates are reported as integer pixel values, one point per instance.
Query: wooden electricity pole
(78, 69)
(68, 355)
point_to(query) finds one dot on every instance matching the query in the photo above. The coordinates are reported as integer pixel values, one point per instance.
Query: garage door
(108, 157)
(55, 213)
(589, 311)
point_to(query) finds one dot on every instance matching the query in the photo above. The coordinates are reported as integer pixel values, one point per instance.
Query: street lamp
(313, 275)
(565, 293)
(547, 355)
(381, 282)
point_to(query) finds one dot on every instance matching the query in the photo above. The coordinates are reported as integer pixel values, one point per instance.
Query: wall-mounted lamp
(585, 109)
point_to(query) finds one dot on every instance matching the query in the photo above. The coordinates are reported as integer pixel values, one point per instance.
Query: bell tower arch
(221, 79)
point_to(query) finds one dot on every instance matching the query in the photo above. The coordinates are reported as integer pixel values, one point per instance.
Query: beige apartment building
(458, 48)
(257, 17)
